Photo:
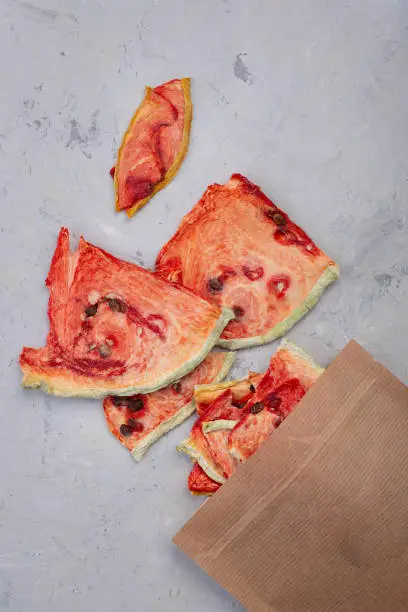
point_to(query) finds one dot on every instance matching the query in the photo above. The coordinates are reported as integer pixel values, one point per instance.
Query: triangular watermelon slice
(209, 451)
(201, 484)
(237, 249)
(116, 328)
(154, 144)
(225, 432)
(139, 420)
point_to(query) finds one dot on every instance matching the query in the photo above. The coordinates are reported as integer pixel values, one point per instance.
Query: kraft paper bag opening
(317, 519)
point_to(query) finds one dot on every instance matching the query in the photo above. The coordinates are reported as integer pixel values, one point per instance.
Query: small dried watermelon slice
(139, 420)
(237, 249)
(154, 145)
(290, 375)
(115, 328)
(201, 484)
(210, 452)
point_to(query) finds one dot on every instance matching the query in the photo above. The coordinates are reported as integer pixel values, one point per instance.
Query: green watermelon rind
(61, 387)
(195, 455)
(218, 424)
(329, 275)
(179, 417)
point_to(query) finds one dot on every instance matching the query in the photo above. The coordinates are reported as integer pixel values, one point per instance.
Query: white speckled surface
(308, 99)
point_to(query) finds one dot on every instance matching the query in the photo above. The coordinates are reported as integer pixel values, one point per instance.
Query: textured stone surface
(309, 100)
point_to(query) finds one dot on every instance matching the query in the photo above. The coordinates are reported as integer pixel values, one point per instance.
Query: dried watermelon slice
(116, 328)
(210, 451)
(225, 434)
(290, 375)
(199, 483)
(237, 249)
(139, 420)
(154, 144)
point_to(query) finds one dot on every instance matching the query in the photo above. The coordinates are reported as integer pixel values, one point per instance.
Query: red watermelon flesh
(201, 484)
(116, 328)
(237, 248)
(139, 420)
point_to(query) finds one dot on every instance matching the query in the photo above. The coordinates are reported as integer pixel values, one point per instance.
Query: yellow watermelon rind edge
(172, 171)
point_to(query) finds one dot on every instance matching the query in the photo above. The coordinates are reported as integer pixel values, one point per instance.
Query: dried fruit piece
(210, 449)
(156, 413)
(276, 273)
(201, 484)
(154, 144)
(178, 327)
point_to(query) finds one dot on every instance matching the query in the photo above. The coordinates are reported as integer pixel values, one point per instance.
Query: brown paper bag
(317, 519)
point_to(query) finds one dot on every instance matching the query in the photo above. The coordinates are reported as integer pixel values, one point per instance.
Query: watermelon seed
(177, 387)
(252, 388)
(134, 404)
(238, 312)
(126, 430)
(257, 407)
(91, 310)
(214, 285)
(105, 350)
(279, 219)
(119, 401)
(116, 305)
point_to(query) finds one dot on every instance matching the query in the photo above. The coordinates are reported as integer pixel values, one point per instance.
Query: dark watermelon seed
(215, 285)
(252, 388)
(238, 312)
(134, 404)
(126, 430)
(177, 387)
(116, 305)
(238, 404)
(91, 310)
(278, 219)
(257, 407)
(119, 401)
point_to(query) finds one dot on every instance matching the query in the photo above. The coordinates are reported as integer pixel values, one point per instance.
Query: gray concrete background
(309, 100)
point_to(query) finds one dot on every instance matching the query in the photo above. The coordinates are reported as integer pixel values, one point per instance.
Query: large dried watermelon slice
(223, 436)
(154, 144)
(139, 420)
(117, 329)
(237, 249)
